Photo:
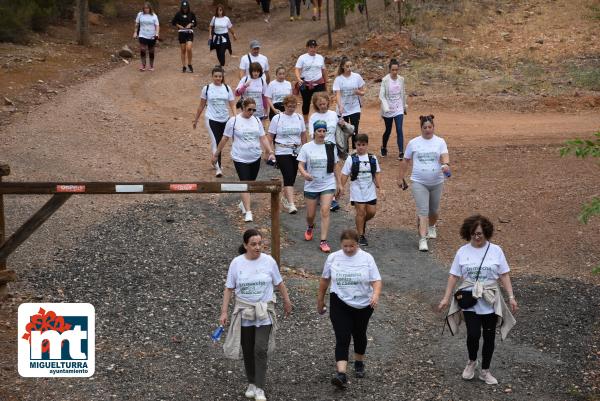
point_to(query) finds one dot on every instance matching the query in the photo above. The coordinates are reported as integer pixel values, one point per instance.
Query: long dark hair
(149, 6)
(220, 69)
(222, 7)
(343, 61)
(251, 232)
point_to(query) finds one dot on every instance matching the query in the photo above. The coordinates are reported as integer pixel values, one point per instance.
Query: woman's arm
(376, 292)
(298, 72)
(303, 137)
(445, 160)
(505, 281)
(323, 285)
(384, 103)
(225, 305)
(324, 74)
(287, 304)
(338, 101)
(232, 107)
(360, 91)
(337, 171)
(402, 169)
(452, 280)
(266, 144)
(220, 147)
(199, 111)
(303, 172)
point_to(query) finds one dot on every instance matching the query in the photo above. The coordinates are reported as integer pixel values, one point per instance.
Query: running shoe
(218, 171)
(423, 247)
(291, 18)
(298, 18)
(431, 232)
(292, 209)
(383, 152)
(248, 216)
(314, 17)
(335, 206)
(259, 395)
(487, 377)
(183, 69)
(151, 69)
(285, 203)
(339, 380)
(362, 241)
(469, 371)
(308, 234)
(142, 67)
(359, 369)
(242, 208)
(401, 156)
(250, 391)
(324, 246)
(190, 68)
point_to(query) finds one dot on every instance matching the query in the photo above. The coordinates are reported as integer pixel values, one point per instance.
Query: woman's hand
(374, 301)
(339, 192)
(307, 177)
(247, 83)
(234, 37)
(194, 123)
(135, 35)
(445, 168)
(214, 159)
(321, 307)
(287, 307)
(443, 304)
(402, 184)
(341, 121)
(513, 305)
(381, 194)
(223, 319)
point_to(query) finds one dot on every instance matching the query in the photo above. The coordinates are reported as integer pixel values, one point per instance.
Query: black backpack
(356, 166)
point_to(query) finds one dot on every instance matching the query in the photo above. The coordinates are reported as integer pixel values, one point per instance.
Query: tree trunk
(329, 40)
(224, 3)
(83, 32)
(339, 14)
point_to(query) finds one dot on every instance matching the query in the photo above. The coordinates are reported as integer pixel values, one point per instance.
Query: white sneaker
(248, 216)
(423, 245)
(259, 395)
(218, 172)
(285, 203)
(431, 232)
(487, 377)
(292, 209)
(469, 371)
(241, 206)
(250, 391)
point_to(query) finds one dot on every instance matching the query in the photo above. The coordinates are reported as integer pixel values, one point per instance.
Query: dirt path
(127, 125)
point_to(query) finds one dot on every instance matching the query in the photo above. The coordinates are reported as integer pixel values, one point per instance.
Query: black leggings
(278, 106)
(266, 6)
(348, 322)
(247, 171)
(255, 344)
(216, 130)
(288, 165)
(353, 119)
(307, 96)
(475, 323)
(221, 50)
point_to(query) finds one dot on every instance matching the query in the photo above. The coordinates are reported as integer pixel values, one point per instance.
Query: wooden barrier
(62, 191)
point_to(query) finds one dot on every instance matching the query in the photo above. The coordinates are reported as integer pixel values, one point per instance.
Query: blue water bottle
(216, 335)
(447, 173)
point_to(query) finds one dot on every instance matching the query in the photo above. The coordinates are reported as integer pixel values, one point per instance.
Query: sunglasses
(250, 109)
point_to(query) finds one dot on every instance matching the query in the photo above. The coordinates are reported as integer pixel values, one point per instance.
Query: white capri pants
(427, 197)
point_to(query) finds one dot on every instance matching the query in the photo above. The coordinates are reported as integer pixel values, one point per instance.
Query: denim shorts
(317, 195)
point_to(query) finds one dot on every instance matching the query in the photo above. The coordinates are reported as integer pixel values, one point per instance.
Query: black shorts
(185, 37)
(371, 202)
(147, 42)
(288, 165)
(247, 171)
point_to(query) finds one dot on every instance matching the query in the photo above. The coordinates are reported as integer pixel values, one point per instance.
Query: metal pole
(275, 229)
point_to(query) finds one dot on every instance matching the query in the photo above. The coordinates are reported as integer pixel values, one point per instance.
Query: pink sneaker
(487, 377)
(151, 69)
(142, 67)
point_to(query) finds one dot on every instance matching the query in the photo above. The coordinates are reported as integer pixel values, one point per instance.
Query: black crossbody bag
(465, 298)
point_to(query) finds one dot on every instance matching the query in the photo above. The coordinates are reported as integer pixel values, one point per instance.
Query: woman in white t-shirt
(248, 139)
(218, 31)
(348, 87)
(253, 276)
(480, 264)
(288, 134)
(393, 107)
(355, 289)
(217, 98)
(147, 31)
(319, 167)
(311, 75)
(276, 91)
(430, 161)
(254, 87)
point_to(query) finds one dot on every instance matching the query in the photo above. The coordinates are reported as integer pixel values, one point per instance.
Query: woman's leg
(325, 205)
(188, 48)
(388, 121)
(473, 323)
(247, 341)
(421, 196)
(143, 51)
(370, 213)
(489, 338)
(297, 3)
(341, 321)
(311, 211)
(306, 98)
(215, 132)
(361, 217)
(435, 194)
(151, 55)
(261, 345)
(353, 119)
(360, 322)
(292, 8)
(399, 120)
(221, 50)
(183, 50)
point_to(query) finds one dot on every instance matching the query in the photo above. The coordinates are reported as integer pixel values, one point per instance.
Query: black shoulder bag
(465, 298)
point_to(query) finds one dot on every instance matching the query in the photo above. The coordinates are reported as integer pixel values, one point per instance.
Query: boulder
(126, 52)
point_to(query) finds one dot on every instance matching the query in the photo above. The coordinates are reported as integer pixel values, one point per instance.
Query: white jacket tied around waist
(490, 293)
(249, 311)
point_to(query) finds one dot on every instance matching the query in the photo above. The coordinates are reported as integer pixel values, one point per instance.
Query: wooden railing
(62, 191)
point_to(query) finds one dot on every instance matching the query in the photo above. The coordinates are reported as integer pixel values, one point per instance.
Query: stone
(126, 52)
(94, 19)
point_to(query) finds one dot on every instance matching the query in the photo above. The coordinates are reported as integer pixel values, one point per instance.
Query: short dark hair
(427, 118)
(364, 138)
(393, 62)
(255, 67)
(350, 234)
(247, 235)
(470, 225)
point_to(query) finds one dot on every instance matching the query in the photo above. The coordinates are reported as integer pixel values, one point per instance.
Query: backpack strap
(373, 163)
(355, 167)
(207, 86)
(329, 149)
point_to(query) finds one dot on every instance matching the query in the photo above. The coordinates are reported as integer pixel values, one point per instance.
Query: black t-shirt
(184, 19)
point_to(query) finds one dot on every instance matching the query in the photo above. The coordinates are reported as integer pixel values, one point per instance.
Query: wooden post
(4, 171)
(275, 231)
(83, 31)
(329, 39)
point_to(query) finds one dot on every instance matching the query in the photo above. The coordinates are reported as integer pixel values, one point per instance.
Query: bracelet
(511, 297)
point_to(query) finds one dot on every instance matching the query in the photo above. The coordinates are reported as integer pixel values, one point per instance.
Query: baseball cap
(311, 42)
(254, 44)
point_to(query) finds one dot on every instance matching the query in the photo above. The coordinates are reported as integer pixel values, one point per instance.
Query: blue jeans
(388, 130)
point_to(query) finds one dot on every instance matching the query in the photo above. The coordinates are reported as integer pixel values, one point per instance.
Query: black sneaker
(401, 156)
(183, 69)
(383, 152)
(359, 369)
(362, 241)
(191, 68)
(335, 206)
(339, 380)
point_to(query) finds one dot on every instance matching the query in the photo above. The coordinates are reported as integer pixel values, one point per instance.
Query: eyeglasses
(477, 234)
(291, 105)
(251, 110)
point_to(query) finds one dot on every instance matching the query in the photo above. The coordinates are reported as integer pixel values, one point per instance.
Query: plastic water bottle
(216, 335)
(447, 173)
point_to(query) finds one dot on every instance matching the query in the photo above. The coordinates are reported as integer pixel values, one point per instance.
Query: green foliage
(18, 18)
(587, 78)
